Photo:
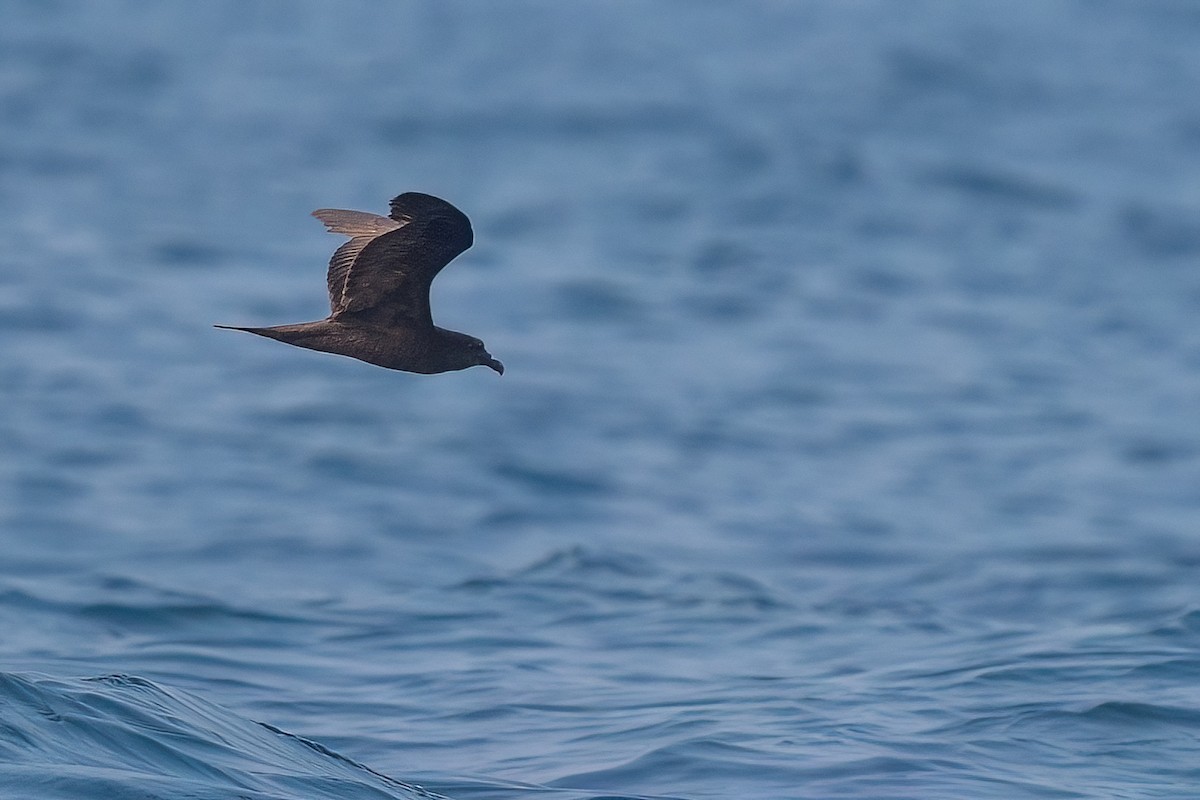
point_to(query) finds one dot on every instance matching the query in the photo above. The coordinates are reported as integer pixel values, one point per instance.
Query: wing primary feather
(355, 223)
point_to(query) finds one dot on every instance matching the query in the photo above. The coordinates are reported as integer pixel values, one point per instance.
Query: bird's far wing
(355, 223)
(362, 227)
(390, 276)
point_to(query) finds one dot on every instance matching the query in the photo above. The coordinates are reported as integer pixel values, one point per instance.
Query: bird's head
(467, 351)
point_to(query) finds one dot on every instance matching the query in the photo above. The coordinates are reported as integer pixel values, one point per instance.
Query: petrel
(379, 289)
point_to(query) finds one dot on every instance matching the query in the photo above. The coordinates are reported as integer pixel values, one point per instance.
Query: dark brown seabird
(379, 289)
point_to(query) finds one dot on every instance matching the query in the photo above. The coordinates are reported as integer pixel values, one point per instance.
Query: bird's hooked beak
(494, 364)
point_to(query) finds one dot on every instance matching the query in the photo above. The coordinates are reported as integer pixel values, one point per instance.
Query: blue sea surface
(849, 444)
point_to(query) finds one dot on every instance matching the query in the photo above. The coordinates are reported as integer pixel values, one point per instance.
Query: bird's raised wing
(387, 277)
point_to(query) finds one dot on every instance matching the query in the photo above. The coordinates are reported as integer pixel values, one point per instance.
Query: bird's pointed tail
(270, 333)
(302, 334)
(238, 328)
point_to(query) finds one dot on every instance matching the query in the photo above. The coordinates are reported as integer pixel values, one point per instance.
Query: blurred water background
(848, 445)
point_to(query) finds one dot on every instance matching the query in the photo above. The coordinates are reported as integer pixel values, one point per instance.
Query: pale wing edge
(355, 223)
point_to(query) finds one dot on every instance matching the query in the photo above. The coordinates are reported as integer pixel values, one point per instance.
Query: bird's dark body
(395, 347)
(379, 290)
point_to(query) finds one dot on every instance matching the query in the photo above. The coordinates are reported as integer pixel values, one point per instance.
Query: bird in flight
(379, 289)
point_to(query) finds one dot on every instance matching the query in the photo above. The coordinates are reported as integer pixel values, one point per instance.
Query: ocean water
(848, 446)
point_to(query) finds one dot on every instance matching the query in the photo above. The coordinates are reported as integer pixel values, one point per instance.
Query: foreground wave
(119, 736)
